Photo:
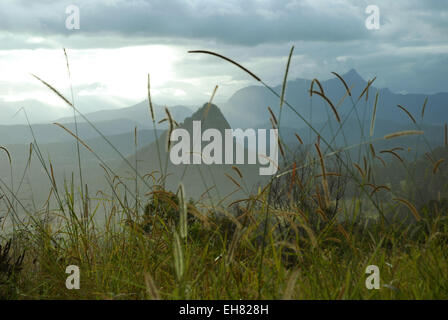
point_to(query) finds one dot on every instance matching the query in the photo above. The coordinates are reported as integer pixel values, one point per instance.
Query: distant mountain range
(248, 106)
(200, 177)
(139, 113)
(245, 108)
(11, 112)
(50, 133)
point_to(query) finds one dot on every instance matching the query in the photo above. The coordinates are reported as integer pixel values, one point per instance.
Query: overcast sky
(120, 41)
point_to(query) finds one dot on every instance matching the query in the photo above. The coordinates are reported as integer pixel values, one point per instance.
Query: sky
(120, 41)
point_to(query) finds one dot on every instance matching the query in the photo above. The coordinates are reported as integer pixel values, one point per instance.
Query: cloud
(407, 53)
(245, 23)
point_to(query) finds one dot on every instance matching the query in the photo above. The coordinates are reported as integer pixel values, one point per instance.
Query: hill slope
(248, 106)
(197, 178)
(138, 113)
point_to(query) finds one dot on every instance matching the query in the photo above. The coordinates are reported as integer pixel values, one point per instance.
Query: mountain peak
(211, 117)
(353, 76)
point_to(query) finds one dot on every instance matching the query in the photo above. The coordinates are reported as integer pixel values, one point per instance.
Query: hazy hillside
(246, 108)
(65, 152)
(35, 184)
(138, 112)
(197, 178)
(252, 102)
(38, 112)
(50, 133)
(350, 135)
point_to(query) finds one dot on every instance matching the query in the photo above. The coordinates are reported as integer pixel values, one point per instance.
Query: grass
(309, 233)
(214, 262)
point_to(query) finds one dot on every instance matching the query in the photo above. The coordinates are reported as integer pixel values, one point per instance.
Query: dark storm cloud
(410, 49)
(248, 22)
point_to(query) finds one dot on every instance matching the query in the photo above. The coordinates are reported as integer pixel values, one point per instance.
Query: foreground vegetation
(224, 259)
(309, 233)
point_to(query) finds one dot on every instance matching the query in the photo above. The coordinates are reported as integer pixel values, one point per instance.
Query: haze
(119, 42)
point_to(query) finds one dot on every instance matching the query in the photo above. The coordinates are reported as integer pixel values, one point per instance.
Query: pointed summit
(353, 77)
(211, 117)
